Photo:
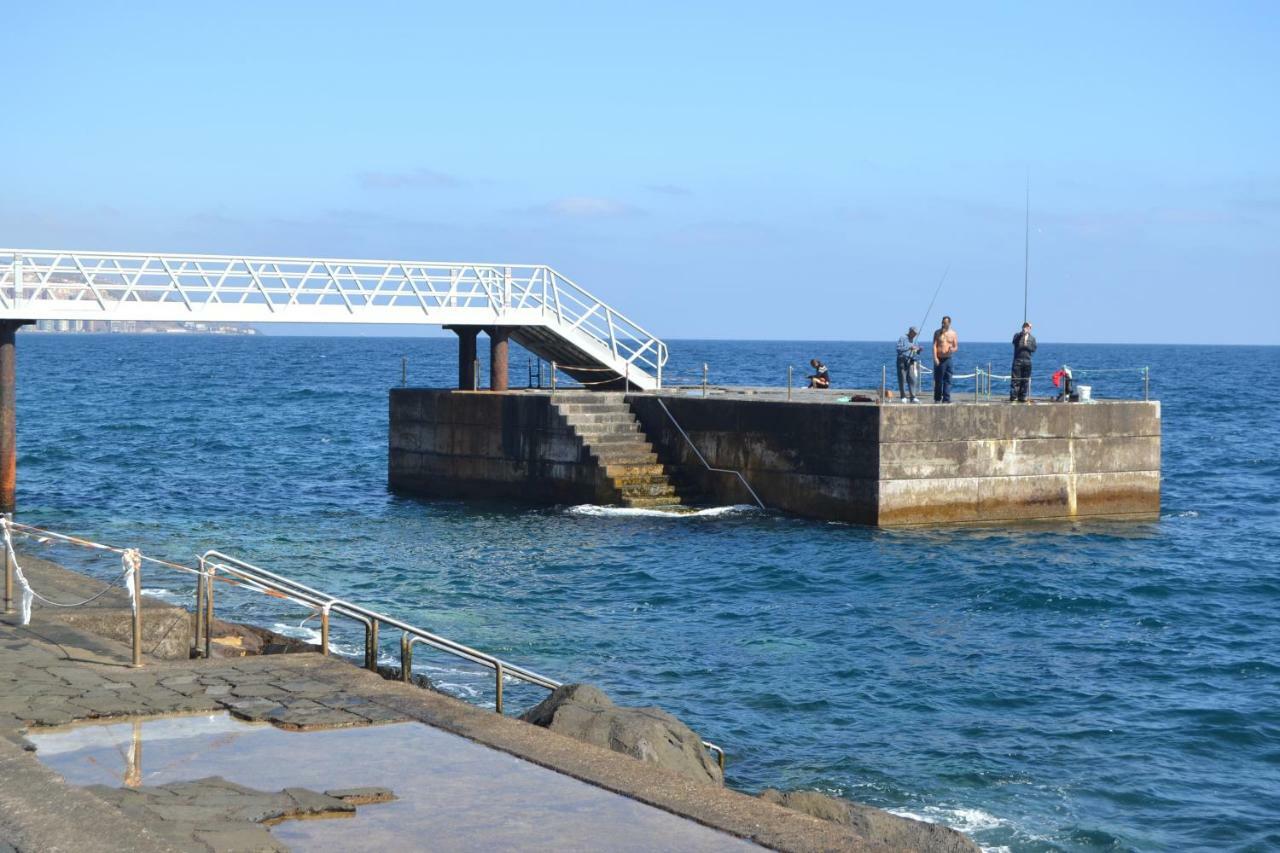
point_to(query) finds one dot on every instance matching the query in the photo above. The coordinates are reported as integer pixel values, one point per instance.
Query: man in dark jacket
(1024, 344)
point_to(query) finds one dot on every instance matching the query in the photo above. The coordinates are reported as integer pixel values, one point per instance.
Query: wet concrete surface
(491, 799)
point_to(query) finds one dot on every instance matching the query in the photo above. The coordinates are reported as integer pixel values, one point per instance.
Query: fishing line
(936, 291)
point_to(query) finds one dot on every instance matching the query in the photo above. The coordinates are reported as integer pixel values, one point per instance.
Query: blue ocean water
(1099, 686)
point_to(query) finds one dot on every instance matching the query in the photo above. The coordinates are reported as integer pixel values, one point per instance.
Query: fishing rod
(936, 291)
(1026, 253)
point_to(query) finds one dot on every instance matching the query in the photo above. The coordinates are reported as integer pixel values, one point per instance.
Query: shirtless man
(945, 344)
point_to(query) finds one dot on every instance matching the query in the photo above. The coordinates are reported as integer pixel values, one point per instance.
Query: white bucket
(1085, 392)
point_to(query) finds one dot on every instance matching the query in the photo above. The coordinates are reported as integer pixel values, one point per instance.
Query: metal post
(199, 614)
(8, 413)
(137, 616)
(406, 658)
(208, 614)
(8, 574)
(988, 382)
(371, 646)
(497, 668)
(977, 380)
(324, 631)
(404, 371)
(1146, 395)
(704, 379)
(553, 377)
(475, 375)
(499, 352)
(789, 369)
(884, 377)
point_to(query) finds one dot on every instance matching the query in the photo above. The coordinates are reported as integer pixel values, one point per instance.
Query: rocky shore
(66, 666)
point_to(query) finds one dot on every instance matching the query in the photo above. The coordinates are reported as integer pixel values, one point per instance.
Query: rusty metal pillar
(466, 356)
(499, 355)
(8, 413)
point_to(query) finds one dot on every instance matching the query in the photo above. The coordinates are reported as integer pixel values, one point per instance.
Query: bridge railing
(40, 284)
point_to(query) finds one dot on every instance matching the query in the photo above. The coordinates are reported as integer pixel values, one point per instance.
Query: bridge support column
(467, 379)
(9, 412)
(499, 357)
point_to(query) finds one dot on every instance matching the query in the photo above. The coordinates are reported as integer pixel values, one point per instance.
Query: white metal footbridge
(539, 308)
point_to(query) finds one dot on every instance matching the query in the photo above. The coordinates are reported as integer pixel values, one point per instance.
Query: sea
(1068, 686)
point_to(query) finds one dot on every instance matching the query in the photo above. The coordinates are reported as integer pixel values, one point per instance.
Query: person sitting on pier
(1024, 344)
(820, 378)
(909, 366)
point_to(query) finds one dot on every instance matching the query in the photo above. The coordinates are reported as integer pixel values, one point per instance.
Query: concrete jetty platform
(820, 454)
(357, 744)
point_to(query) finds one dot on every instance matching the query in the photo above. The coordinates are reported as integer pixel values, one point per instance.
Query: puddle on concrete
(453, 794)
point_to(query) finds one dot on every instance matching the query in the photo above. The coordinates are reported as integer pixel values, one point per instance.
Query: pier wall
(892, 465)
(814, 460)
(455, 444)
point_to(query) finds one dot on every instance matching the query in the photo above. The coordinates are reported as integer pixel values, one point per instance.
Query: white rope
(28, 593)
(131, 559)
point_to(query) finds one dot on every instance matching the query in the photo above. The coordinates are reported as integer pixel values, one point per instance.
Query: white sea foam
(166, 595)
(649, 512)
(298, 632)
(963, 819)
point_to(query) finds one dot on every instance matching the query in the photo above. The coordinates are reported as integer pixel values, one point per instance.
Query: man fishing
(1024, 344)
(908, 366)
(945, 344)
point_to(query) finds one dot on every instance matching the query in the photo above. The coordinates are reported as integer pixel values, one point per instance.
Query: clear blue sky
(731, 170)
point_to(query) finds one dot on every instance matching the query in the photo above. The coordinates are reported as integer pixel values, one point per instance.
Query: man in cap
(1024, 344)
(908, 366)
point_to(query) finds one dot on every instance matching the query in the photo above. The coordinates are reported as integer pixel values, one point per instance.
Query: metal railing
(703, 459)
(212, 562)
(125, 287)
(985, 378)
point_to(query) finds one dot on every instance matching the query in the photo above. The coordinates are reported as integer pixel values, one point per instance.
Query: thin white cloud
(588, 207)
(413, 179)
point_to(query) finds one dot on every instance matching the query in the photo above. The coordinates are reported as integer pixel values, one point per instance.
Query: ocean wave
(166, 595)
(595, 510)
(966, 820)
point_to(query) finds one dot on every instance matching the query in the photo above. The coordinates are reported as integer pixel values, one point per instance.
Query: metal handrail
(703, 459)
(219, 561)
(57, 284)
(213, 560)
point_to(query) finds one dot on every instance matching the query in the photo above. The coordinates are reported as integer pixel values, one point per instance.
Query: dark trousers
(1021, 382)
(907, 379)
(942, 381)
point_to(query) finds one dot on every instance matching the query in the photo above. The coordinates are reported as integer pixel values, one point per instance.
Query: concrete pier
(886, 465)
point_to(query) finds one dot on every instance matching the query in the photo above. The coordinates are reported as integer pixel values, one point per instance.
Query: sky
(713, 170)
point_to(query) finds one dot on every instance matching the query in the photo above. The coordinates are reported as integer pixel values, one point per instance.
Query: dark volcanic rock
(649, 734)
(876, 825)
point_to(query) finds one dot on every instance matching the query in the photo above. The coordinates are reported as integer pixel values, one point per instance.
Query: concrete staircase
(612, 435)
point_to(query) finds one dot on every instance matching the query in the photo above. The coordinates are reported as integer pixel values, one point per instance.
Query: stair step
(623, 456)
(633, 437)
(590, 430)
(652, 490)
(654, 502)
(584, 419)
(591, 409)
(587, 397)
(623, 471)
(640, 480)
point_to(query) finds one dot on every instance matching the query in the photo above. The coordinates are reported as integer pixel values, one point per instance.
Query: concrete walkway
(53, 673)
